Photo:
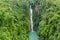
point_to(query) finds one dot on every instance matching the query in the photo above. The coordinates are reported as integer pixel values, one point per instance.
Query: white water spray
(31, 20)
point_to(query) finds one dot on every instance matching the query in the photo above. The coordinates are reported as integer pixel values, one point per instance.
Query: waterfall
(32, 35)
(31, 20)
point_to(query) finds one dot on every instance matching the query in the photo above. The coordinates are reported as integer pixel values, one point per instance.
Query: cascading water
(32, 33)
(31, 20)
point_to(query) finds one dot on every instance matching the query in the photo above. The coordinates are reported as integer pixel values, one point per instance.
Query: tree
(49, 24)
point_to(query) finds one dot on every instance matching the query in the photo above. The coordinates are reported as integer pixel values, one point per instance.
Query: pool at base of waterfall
(33, 36)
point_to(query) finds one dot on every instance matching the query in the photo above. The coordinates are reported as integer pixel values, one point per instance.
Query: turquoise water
(33, 36)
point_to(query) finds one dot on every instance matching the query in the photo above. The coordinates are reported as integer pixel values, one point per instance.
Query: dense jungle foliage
(15, 19)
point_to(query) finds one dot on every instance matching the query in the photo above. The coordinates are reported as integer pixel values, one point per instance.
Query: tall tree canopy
(15, 19)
